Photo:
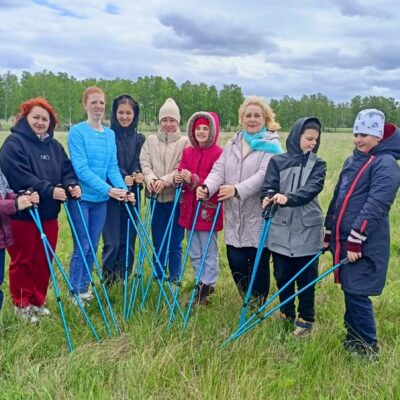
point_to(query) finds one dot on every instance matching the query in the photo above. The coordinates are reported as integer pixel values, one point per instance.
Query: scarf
(263, 141)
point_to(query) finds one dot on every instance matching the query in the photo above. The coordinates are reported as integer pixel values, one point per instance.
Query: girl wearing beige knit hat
(159, 159)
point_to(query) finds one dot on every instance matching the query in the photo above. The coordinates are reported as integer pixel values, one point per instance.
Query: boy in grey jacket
(296, 233)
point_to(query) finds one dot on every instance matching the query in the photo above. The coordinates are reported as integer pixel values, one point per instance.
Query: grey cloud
(382, 57)
(11, 58)
(6, 4)
(352, 8)
(211, 37)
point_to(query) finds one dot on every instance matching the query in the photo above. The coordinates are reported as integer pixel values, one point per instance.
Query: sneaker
(86, 297)
(303, 328)
(362, 350)
(286, 318)
(26, 314)
(40, 310)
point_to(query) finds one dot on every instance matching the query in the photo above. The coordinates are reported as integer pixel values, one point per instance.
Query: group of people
(250, 174)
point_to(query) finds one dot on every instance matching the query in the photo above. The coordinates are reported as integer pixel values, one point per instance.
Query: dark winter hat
(369, 122)
(200, 121)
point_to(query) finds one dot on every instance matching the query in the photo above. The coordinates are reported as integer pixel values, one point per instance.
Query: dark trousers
(284, 269)
(2, 262)
(115, 242)
(241, 261)
(162, 212)
(359, 319)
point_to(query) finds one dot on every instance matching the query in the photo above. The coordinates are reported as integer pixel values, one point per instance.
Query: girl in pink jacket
(197, 162)
(9, 205)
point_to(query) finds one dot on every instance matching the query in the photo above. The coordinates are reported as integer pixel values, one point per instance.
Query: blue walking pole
(268, 214)
(146, 236)
(166, 235)
(270, 312)
(67, 281)
(110, 310)
(199, 273)
(169, 230)
(92, 284)
(137, 273)
(36, 218)
(126, 270)
(275, 295)
(182, 271)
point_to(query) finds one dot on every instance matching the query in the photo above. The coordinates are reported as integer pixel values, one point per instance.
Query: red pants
(29, 272)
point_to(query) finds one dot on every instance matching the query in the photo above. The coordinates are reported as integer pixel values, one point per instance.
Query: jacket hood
(390, 142)
(213, 119)
(23, 128)
(293, 140)
(115, 125)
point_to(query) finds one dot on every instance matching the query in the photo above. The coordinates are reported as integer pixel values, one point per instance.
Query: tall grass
(151, 362)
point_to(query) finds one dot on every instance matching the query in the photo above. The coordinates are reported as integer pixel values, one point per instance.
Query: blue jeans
(359, 319)
(94, 215)
(2, 262)
(162, 212)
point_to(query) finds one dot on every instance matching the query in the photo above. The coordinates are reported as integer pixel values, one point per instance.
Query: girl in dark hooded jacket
(129, 142)
(296, 232)
(357, 224)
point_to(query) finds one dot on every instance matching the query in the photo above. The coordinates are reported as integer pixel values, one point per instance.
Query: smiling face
(253, 119)
(125, 115)
(94, 106)
(202, 133)
(364, 142)
(169, 125)
(39, 120)
(308, 140)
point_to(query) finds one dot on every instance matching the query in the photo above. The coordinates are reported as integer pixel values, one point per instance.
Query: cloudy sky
(341, 48)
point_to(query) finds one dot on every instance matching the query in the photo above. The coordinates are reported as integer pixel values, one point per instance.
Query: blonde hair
(266, 110)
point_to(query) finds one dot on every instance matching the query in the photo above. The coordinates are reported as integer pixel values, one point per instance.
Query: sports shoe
(26, 314)
(40, 310)
(303, 328)
(362, 350)
(286, 318)
(86, 297)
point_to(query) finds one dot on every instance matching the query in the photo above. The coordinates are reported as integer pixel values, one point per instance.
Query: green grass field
(150, 362)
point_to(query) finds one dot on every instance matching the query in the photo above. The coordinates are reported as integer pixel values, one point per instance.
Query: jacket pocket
(314, 220)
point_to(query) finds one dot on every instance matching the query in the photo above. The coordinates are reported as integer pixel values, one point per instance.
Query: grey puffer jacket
(243, 214)
(296, 228)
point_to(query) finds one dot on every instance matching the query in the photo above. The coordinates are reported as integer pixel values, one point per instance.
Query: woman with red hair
(32, 159)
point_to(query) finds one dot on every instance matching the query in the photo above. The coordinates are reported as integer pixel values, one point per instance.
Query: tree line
(64, 93)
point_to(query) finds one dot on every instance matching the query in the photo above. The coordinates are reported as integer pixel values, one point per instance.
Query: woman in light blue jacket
(93, 154)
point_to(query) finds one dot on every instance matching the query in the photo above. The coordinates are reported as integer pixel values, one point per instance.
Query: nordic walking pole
(91, 281)
(166, 235)
(171, 315)
(137, 272)
(270, 312)
(146, 236)
(276, 294)
(36, 218)
(200, 271)
(127, 245)
(110, 310)
(171, 227)
(267, 214)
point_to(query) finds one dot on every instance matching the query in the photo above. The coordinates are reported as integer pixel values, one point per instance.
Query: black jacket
(27, 162)
(129, 141)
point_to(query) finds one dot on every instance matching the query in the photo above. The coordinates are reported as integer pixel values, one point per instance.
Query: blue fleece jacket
(94, 158)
